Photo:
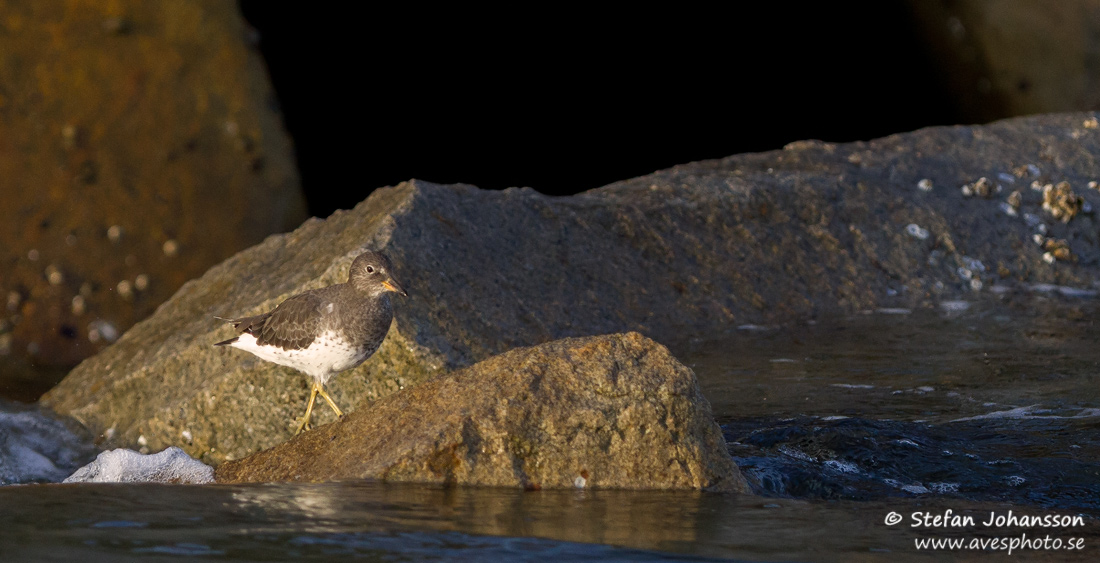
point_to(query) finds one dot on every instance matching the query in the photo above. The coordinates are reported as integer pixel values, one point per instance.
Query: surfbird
(324, 331)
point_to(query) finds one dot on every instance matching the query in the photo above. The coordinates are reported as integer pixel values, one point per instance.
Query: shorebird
(322, 332)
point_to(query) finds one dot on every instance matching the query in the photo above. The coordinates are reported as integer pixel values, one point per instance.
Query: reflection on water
(836, 425)
(613, 517)
(392, 522)
(922, 366)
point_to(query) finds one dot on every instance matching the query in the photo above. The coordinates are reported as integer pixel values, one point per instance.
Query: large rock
(612, 411)
(811, 230)
(139, 146)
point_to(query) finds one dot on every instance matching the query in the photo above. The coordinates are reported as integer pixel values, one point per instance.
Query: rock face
(138, 147)
(811, 230)
(613, 411)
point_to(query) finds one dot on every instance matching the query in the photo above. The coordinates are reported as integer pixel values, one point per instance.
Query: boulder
(613, 411)
(139, 146)
(813, 230)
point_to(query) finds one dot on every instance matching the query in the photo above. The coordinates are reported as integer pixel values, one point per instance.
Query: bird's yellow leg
(329, 400)
(304, 423)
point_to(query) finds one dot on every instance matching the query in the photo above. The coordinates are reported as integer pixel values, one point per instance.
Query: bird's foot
(303, 425)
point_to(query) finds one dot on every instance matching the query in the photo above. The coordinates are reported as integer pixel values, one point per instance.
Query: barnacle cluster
(984, 187)
(1056, 249)
(1061, 202)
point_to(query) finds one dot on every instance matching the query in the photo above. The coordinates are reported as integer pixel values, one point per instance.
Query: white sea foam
(795, 453)
(172, 465)
(954, 306)
(842, 466)
(915, 488)
(1063, 289)
(893, 311)
(944, 487)
(753, 327)
(1032, 412)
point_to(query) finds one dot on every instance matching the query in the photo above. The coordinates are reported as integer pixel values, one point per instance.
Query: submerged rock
(172, 465)
(613, 411)
(812, 230)
(37, 447)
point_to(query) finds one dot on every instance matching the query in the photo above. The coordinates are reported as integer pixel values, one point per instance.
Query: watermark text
(1043, 530)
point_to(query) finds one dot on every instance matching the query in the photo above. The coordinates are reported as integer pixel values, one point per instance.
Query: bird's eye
(370, 269)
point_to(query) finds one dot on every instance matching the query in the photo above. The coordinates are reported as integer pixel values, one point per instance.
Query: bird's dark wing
(291, 326)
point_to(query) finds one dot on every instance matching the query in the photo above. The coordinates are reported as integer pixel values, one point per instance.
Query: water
(837, 425)
(993, 404)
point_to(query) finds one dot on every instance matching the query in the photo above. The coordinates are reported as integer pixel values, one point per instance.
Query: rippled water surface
(836, 425)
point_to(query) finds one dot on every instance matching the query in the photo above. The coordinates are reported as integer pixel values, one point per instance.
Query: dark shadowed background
(570, 100)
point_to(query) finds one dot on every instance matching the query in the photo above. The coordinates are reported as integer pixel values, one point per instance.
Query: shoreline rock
(812, 230)
(614, 411)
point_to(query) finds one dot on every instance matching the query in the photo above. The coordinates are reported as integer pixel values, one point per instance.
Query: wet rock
(138, 147)
(171, 466)
(613, 411)
(810, 231)
(37, 447)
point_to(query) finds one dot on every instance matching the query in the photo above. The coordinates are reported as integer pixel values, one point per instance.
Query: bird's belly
(326, 355)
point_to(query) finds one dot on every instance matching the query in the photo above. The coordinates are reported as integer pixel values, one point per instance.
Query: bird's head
(372, 273)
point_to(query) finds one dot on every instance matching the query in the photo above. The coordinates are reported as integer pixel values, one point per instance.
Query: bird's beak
(392, 286)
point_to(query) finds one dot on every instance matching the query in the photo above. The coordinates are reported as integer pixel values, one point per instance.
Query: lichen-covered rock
(614, 411)
(139, 146)
(813, 230)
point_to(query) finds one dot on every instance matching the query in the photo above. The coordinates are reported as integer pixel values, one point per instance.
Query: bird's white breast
(328, 354)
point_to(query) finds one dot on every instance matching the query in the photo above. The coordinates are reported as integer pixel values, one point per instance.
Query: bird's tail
(235, 323)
